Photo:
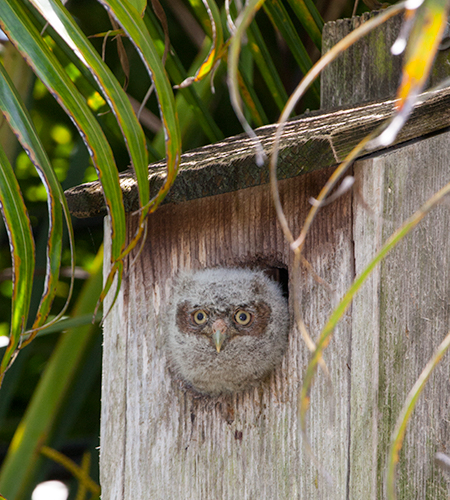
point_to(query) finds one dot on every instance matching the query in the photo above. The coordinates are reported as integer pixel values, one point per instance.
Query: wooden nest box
(159, 441)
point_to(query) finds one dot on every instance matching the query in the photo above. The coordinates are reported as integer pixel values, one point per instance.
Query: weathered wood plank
(415, 314)
(390, 344)
(310, 142)
(365, 333)
(170, 434)
(113, 409)
(160, 442)
(246, 446)
(366, 71)
(399, 319)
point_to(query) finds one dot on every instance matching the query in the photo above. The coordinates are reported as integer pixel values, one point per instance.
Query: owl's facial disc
(219, 329)
(226, 329)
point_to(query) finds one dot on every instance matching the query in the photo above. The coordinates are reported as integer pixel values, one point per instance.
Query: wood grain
(160, 442)
(247, 446)
(391, 339)
(310, 142)
(366, 71)
(399, 319)
(178, 446)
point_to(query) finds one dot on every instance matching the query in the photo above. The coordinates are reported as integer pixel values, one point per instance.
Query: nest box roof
(312, 141)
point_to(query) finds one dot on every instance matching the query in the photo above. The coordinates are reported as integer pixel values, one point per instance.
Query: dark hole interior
(281, 276)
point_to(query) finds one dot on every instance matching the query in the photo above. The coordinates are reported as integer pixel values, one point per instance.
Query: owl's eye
(199, 317)
(242, 317)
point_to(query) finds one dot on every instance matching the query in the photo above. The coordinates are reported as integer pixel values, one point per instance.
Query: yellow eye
(199, 317)
(242, 317)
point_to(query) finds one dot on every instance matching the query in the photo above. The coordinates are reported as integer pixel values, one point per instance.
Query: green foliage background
(52, 390)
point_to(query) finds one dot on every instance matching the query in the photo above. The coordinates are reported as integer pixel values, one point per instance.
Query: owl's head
(226, 329)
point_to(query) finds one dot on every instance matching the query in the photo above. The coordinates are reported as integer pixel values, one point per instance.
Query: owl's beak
(219, 328)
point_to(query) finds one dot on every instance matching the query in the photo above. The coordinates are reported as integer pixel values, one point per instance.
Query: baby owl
(226, 329)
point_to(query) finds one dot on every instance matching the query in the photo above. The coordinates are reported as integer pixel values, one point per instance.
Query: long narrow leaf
(408, 408)
(200, 10)
(326, 334)
(310, 18)
(251, 101)
(281, 20)
(305, 83)
(429, 20)
(134, 26)
(21, 243)
(20, 121)
(133, 134)
(35, 428)
(314, 13)
(21, 31)
(216, 50)
(192, 94)
(118, 101)
(128, 17)
(266, 66)
(242, 22)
